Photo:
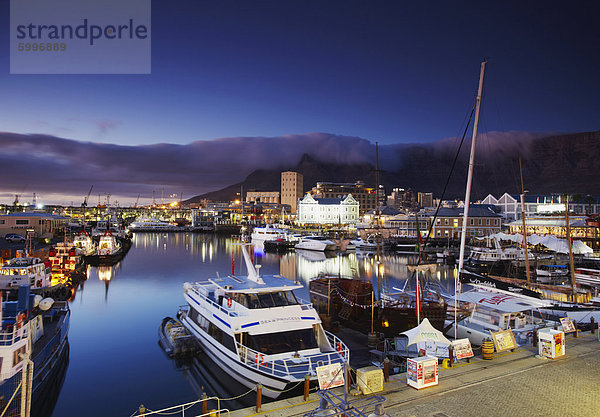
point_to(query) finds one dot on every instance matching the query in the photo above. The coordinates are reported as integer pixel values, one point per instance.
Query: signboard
(504, 340)
(567, 325)
(411, 371)
(462, 348)
(330, 376)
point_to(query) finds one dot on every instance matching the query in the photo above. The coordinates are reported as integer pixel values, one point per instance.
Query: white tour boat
(151, 225)
(318, 243)
(269, 232)
(365, 244)
(255, 329)
(25, 270)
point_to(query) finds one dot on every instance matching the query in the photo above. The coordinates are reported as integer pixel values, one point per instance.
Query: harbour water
(115, 362)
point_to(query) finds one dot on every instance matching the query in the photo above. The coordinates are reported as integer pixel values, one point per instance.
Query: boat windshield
(290, 341)
(266, 300)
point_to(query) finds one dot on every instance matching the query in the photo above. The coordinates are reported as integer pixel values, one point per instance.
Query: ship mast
(524, 226)
(463, 235)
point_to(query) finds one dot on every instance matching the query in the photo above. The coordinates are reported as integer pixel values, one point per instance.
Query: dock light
(385, 323)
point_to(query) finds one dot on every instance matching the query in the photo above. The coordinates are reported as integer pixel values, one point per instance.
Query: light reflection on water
(115, 361)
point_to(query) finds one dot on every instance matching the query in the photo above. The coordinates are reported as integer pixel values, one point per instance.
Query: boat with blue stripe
(257, 330)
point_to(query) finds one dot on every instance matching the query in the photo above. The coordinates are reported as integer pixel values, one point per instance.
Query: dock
(515, 383)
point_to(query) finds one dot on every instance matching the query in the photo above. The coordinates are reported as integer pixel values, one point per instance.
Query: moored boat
(316, 243)
(257, 331)
(108, 252)
(174, 338)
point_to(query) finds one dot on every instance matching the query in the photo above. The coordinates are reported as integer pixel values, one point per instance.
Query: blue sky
(384, 70)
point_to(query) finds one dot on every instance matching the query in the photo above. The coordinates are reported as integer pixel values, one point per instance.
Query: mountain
(551, 164)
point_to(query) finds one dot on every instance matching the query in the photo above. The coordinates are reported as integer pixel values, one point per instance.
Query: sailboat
(486, 308)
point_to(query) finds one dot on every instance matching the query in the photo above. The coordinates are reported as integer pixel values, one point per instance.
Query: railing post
(592, 325)
(306, 386)
(258, 397)
(386, 370)
(535, 337)
(450, 356)
(142, 410)
(204, 403)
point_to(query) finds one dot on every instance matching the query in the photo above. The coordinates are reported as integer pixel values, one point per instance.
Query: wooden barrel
(487, 349)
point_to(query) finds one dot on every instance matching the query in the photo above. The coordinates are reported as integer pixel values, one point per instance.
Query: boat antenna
(463, 235)
(527, 269)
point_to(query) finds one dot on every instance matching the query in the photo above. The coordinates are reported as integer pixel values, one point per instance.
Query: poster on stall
(411, 371)
(567, 325)
(330, 376)
(462, 348)
(504, 340)
(429, 370)
(546, 349)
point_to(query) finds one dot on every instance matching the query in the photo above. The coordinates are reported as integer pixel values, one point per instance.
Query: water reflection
(146, 286)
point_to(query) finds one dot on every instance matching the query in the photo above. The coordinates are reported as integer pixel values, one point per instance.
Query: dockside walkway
(515, 383)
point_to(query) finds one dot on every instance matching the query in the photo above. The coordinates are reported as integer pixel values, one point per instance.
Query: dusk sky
(387, 71)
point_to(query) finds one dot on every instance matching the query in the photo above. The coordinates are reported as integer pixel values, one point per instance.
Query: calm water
(115, 361)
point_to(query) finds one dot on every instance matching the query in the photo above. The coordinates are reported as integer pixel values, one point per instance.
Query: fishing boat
(174, 338)
(255, 329)
(316, 243)
(108, 252)
(83, 244)
(34, 337)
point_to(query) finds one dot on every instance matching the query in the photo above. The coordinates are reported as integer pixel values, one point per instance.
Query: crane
(85, 200)
(136, 201)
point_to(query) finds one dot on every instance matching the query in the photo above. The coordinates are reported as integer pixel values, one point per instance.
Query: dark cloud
(52, 165)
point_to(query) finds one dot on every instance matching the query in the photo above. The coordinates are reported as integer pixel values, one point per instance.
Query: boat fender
(260, 359)
(46, 303)
(228, 302)
(339, 348)
(36, 300)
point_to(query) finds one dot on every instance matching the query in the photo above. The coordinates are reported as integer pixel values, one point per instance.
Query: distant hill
(567, 163)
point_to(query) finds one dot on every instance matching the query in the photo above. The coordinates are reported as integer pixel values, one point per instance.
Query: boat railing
(190, 408)
(13, 332)
(297, 366)
(208, 299)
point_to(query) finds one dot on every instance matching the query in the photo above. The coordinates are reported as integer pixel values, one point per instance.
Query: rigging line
(447, 182)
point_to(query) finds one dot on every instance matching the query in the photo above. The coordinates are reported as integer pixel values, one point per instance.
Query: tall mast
(377, 237)
(463, 235)
(568, 233)
(524, 227)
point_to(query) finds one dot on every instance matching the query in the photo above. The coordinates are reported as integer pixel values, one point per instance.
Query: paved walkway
(512, 384)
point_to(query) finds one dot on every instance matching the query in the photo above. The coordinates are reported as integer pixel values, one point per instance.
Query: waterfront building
(292, 189)
(365, 196)
(535, 205)
(483, 220)
(581, 229)
(270, 197)
(328, 210)
(43, 224)
(403, 225)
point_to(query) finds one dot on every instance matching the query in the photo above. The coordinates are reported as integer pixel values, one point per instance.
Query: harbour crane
(136, 201)
(85, 200)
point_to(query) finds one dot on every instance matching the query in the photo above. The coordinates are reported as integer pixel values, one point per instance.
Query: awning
(424, 332)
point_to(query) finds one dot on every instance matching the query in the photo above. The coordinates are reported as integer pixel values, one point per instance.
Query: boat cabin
(24, 271)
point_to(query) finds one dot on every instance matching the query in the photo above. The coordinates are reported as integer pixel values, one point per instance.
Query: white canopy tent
(553, 243)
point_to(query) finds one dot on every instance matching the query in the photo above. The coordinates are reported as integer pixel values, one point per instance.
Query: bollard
(306, 386)
(592, 325)
(258, 397)
(386, 370)
(204, 403)
(576, 329)
(142, 410)
(451, 355)
(535, 337)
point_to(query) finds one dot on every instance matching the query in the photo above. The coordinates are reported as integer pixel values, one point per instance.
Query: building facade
(292, 189)
(425, 199)
(365, 196)
(270, 197)
(328, 210)
(482, 221)
(43, 224)
(535, 205)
